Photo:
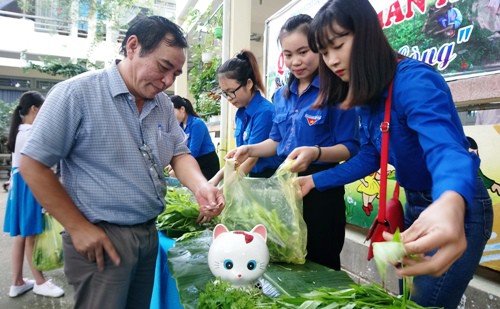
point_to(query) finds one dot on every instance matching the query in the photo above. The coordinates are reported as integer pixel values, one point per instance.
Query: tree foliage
(5, 117)
(56, 67)
(202, 77)
(99, 14)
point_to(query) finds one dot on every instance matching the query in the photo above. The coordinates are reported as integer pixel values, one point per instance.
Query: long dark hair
(300, 23)
(151, 31)
(26, 101)
(373, 61)
(183, 102)
(243, 67)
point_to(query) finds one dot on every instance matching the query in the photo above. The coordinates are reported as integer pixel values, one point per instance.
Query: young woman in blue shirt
(241, 84)
(198, 138)
(448, 213)
(326, 136)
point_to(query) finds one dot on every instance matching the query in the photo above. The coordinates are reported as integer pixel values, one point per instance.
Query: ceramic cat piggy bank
(239, 257)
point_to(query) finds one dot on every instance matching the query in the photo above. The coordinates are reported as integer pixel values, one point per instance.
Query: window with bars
(15, 83)
(22, 84)
(45, 85)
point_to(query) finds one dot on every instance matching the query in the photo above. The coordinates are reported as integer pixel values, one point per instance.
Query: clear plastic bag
(48, 249)
(275, 202)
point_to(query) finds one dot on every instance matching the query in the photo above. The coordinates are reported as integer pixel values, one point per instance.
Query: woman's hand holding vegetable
(263, 149)
(303, 156)
(440, 227)
(306, 184)
(169, 170)
(239, 154)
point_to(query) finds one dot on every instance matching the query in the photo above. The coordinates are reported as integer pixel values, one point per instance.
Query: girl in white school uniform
(23, 216)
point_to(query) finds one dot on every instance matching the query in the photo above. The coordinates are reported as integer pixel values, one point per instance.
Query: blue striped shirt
(91, 123)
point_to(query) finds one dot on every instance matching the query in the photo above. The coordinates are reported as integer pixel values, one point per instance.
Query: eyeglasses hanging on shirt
(147, 154)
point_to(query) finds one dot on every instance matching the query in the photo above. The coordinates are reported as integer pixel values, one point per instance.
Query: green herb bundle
(180, 214)
(369, 296)
(390, 253)
(221, 295)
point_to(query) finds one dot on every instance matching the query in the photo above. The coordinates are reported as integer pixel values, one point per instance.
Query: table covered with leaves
(284, 285)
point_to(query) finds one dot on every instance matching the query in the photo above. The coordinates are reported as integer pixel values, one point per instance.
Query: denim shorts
(447, 290)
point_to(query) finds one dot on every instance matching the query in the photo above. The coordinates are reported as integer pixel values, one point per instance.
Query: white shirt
(21, 138)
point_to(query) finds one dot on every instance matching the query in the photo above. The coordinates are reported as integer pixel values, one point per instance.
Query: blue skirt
(23, 215)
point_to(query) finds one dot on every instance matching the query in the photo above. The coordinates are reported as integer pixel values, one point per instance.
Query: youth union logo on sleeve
(312, 119)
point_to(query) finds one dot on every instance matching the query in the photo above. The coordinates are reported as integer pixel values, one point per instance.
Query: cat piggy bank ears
(219, 229)
(259, 229)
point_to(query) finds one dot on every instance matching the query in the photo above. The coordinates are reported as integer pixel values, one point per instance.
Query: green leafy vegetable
(219, 295)
(302, 286)
(188, 265)
(390, 253)
(358, 296)
(274, 202)
(48, 248)
(180, 214)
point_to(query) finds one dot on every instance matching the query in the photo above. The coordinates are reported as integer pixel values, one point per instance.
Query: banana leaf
(293, 279)
(188, 265)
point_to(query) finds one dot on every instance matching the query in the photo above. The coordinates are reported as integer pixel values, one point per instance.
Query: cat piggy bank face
(238, 257)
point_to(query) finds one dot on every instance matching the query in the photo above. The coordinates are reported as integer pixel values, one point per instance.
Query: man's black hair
(150, 31)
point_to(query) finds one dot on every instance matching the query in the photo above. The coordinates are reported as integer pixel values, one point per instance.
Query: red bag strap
(384, 157)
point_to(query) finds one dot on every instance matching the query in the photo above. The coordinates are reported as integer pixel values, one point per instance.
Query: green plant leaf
(188, 264)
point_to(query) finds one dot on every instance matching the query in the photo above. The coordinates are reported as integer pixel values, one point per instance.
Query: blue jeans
(447, 290)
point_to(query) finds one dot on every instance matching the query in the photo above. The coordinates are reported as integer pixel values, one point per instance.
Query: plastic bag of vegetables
(48, 249)
(275, 202)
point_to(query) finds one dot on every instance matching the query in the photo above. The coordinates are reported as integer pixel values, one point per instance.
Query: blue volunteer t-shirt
(253, 125)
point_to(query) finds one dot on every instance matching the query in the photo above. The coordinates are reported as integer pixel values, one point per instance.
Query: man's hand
(211, 202)
(494, 5)
(92, 242)
(88, 239)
